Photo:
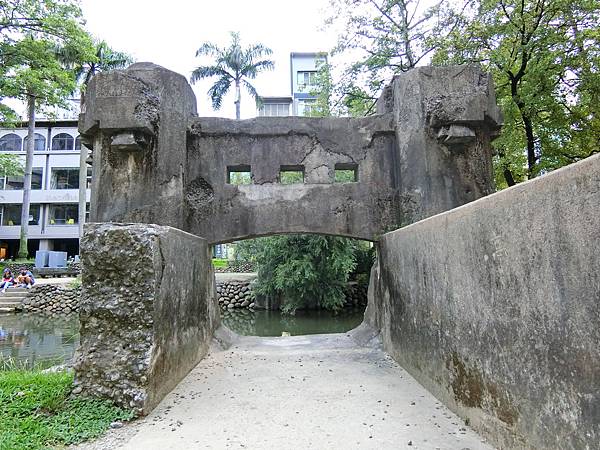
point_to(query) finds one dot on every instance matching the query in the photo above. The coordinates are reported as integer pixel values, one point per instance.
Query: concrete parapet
(148, 311)
(426, 151)
(495, 306)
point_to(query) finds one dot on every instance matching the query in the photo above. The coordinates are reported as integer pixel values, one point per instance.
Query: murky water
(38, 340)
(43, 341)
(274, 323)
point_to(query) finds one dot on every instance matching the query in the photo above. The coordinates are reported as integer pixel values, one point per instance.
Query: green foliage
(233, 64)
(240, 178)
(36, 411)
(32, 34)
(76, 283)
(10, 165)
(307, 271)
(291, 177)
(344, 176)
(544, 56)
(381, 38)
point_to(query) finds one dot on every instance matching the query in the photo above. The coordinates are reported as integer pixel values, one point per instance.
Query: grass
(37, 412)
(220, 262)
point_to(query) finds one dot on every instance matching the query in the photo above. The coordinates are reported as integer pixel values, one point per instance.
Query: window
(64, 214)
(239, 175)
(307, 78)
(10, 143)
(39, 143)
(11, 215)
(291, 174)
(346, 173)
(307, 107)
(62, 141)
(88, 184)
(274, 109)
(16, 183)
(67, 178)
(78, 143)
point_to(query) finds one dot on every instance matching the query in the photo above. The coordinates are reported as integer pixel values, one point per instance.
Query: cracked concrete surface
(301, 392)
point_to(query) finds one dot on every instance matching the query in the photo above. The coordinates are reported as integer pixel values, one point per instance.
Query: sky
(168, 33)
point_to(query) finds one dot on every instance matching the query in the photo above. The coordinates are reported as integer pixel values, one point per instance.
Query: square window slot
(239, 175)
(291, 174)
(346, 173)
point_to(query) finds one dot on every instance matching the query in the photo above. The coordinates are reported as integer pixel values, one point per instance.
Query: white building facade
(304, 69)
(54, 211)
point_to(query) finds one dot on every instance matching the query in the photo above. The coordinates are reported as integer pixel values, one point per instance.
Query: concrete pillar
(148, 311)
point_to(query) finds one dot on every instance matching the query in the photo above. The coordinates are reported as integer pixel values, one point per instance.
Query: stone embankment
(53, 299)
(235, 294)
(238, 294)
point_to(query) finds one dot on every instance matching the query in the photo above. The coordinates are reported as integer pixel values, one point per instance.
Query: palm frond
(251, 90)
(209, 49)
(252, 70)
(218, 91)
(202, 72)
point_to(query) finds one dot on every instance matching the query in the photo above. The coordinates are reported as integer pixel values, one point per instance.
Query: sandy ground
(302, 392)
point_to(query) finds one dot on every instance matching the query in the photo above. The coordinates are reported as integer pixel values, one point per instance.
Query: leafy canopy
(307, 271)
(32, 34)
(545, 59)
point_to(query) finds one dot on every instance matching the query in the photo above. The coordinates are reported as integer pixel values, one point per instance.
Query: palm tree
(232, 65)
(106, 59)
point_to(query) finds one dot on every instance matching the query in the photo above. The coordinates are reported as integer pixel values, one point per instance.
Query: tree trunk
(23, 253)
(237, 99)
(82, 188)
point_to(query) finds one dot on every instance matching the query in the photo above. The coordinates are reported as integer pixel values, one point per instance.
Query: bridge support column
(148, 311)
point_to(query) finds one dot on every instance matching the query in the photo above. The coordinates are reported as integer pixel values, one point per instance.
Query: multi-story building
(304, 68)
(54, 211)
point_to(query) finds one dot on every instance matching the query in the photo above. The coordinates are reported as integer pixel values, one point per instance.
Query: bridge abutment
(148, 311)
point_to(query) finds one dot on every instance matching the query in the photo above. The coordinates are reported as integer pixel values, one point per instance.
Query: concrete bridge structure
(490, 301)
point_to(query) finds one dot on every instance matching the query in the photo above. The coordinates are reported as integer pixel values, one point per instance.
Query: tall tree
(33, 72)
(545, 59)
(54, 20)
(232, 65)
(381, 38)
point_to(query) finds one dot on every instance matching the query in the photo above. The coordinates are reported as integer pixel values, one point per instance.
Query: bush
(36, 411)
(307, 271)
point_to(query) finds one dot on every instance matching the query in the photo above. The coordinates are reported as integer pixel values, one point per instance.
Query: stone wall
(235, 294)
(52, 299)
(148, 311)
(495, 306)
(238, 294)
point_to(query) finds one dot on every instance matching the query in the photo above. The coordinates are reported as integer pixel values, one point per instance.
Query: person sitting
(7, 280)
(25, 278)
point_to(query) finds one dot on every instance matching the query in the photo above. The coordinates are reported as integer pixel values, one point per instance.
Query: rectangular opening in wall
(346, 173)
(291, 174)
(239, 175)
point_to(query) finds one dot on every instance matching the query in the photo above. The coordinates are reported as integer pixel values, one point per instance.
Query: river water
(37, 340)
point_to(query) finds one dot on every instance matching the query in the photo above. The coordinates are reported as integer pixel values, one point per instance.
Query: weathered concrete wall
(495, 307)
(155, 162)
(222, 212)
(148, 311)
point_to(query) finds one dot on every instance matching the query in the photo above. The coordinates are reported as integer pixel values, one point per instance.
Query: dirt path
(304, 392)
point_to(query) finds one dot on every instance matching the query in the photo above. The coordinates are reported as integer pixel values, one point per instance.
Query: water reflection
(274, 323)
(37, 339)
